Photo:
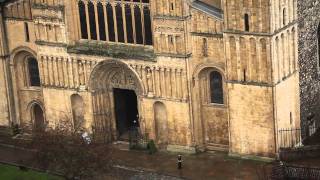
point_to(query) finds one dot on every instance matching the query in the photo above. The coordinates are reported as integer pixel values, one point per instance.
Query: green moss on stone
(122, 51)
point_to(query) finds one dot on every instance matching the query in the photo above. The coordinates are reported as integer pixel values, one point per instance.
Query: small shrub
(15, 129)
(152, 147)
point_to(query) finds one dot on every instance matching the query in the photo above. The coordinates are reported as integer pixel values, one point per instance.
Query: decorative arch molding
(22, 49)
(110, 74)
(37, 117)
(218, 67)
(35, 102)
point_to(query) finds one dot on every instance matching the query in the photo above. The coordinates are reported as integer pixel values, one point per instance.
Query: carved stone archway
(105, 77)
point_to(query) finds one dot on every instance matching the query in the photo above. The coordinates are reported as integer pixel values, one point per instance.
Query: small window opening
(171, 39)
(284, 14)
(26, 31)
(172, 6)
(291, 118)
(244, 75)
(246, 22)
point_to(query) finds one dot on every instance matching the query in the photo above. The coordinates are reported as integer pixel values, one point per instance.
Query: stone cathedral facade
(192, 75)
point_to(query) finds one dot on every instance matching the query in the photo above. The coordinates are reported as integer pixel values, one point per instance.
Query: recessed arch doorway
(37, 118)
(117, 91)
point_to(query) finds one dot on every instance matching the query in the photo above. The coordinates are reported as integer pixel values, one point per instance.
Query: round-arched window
(216, 88)
(33, 70)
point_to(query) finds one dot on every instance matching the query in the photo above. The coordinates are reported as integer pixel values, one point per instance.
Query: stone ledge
(115, 50)
(251, 157)
(181, 149)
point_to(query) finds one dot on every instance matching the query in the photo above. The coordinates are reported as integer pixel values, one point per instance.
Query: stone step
(217, 147)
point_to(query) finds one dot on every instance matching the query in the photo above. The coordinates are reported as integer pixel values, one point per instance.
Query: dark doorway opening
(126, 109)
(38, 118)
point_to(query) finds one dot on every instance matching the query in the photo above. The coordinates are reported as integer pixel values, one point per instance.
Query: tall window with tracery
(216, 88)
(125, 21)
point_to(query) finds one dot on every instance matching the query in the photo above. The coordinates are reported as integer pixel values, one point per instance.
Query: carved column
(174, 84)
(163, 81)
(105, 20)
(54, 71)
(66, 73)
(41, 69)
(45, 70)
(87, 19)
(75, 73)
(60, 71)
(184, 85)
(157, 82)
(169, 84)
(124, 22)
(133, 20)
(96, 19)
(115, 20)
(149, 81)
(80, 72)
(179, 84)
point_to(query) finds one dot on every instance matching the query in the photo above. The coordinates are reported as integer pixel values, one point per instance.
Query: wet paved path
(163, 165)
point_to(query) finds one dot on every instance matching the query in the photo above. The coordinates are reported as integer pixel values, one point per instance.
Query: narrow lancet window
(246, 22)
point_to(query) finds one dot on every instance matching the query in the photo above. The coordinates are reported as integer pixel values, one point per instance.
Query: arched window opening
(119, 23)
(77, 106)
(92, 21)
(147, 26)
(37, 117)
(129, 24)
(246, 22)
(101, 21)
(83, 20)
(216, 88)
(138, 24)
(111, 31)
(33, 69)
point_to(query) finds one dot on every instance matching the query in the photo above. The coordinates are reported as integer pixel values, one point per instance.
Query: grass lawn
(14, 173)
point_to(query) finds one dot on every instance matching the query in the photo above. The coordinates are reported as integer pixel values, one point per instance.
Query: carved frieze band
(64, 72)
(163, 82)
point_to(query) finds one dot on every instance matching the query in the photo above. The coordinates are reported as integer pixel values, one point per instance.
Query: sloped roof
(211, 10)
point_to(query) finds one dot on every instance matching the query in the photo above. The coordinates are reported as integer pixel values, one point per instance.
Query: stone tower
(260, 44)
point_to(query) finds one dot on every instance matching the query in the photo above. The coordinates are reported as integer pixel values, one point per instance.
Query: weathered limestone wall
(4, 106)
(178, 121)
(251, 129)
(309, 12)
(258, 15)
(17, 36)
(58, 109)
(282, 13)
(287, 107)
